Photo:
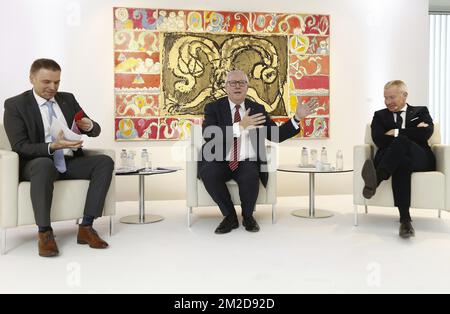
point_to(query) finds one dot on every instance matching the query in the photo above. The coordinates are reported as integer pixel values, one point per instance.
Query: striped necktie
(234, 161)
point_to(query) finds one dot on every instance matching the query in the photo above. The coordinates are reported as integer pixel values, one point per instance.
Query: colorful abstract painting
(170, 63)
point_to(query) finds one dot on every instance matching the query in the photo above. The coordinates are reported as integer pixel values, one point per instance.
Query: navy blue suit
(216, 172)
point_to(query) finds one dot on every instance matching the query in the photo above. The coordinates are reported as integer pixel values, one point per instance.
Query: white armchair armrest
(442, 153)
(9, 180)
(360, 154)
(191, 176)
(272, 161)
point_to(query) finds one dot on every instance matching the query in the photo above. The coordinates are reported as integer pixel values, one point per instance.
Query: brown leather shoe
(47, 244)
(87, 235)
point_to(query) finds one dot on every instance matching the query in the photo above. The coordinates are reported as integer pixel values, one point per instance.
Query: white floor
(295, 255)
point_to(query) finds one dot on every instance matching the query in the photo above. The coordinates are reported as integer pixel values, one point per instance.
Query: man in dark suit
(235, 129)
(44, 159)
(401, 133)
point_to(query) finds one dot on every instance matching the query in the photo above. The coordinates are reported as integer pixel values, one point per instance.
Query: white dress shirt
(246, 150)
(45, 114)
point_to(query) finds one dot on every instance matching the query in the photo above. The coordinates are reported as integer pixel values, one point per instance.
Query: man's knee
(43, 165)
(105, 162)
(401, 140)
(211, 172)
(404, 168)
(251, 179)
(251, 173)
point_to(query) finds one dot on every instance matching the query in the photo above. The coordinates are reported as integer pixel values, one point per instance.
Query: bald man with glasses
(235, 129)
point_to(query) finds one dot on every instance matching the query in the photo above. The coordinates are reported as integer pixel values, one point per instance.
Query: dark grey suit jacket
(25, 129)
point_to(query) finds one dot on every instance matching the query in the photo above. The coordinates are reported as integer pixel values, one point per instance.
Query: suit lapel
(390, 119)
(64, 108)
(35, 115)
(225, 120)
(226, 112)
(409, 114)
(255, 135)
(248, 105)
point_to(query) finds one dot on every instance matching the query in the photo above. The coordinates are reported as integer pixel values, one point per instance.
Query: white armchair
(68, 197)
(429, 190)
(197, 196)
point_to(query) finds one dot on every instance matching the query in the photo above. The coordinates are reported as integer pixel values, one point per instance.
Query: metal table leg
(142, 218)
(312, 212)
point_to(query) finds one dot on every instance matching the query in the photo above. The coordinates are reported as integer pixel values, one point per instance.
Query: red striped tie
(234, 161)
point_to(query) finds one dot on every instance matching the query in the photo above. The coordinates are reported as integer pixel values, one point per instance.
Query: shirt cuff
(236, 129)
(396, 132)
(295, 124)
(48, 148)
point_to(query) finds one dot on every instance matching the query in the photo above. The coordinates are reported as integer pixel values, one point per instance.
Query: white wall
(371, 42)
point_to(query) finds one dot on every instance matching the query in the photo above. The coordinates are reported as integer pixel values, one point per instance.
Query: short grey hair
(236, 71)
(398, 83)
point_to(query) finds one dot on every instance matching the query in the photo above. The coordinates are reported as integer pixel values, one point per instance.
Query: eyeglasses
(236, 83)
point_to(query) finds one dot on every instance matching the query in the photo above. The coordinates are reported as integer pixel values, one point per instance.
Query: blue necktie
(58, 155)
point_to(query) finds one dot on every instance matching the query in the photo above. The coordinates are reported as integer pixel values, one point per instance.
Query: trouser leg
(214, 175)
(98, 169)
(392, 158)
(400, 160)
(42, 174)
(247, 178)
(401, 184)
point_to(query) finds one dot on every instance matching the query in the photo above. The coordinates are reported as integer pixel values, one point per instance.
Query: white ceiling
(439, 5)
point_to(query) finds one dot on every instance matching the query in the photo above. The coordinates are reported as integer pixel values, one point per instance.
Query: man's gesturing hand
(252, 121)
(304, 110)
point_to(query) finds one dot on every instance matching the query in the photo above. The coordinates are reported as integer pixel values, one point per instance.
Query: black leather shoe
(406, 230)
(369, 175)
(229, 223)
(250, 224)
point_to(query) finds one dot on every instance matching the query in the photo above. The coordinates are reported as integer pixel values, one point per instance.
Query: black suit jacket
(218, 114)
(383, 121)
(25, 129)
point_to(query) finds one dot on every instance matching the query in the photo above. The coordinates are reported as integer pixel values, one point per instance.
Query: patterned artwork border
(139, 60)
